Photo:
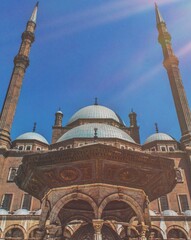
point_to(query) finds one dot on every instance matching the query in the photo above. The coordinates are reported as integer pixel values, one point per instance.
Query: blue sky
(86, 49)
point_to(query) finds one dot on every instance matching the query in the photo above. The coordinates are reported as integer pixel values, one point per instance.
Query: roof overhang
(97, 163)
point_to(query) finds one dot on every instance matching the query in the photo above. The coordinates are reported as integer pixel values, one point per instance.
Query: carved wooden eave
(96, 163)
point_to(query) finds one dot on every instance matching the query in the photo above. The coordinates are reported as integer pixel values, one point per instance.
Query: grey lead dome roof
(95, 111)
(103, 131)
(32, 136)
(159, 137)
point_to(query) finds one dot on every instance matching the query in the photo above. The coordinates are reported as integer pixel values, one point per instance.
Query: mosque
(95, 180)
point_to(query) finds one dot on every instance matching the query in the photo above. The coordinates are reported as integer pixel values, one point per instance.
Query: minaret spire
(171, 64)
(21, 62)
(159, 18)
(156, 127)
(34, 13)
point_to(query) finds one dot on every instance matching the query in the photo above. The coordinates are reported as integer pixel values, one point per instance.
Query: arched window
(176, 234)
(32, 234)
(14, 234)
(155, 234)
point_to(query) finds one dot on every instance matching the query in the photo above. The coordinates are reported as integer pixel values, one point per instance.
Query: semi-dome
(38, 212)
(93, 112)
(32, 136)
(88, 131)
(3, 212)
(169, 213)
(187, 213)
(152, 213)
(159, 137)
(21, 212)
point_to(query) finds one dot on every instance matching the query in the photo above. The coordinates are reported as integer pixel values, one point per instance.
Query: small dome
(159, 137)
(93, 112)
(38, 212)
(152, 213)
(187, 213)
(103, 131)
(59, 112)
(21, 212)
(3, 212)
(169, 213)
(32, 136)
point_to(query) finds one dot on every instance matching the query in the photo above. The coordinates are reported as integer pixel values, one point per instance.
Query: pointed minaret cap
(159, 18)
(34, 13)
(156, 128)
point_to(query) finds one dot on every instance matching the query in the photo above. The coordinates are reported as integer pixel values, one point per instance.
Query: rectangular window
(183, 202)
(163, 148)
(12, 174)
(28, 148)
(21, 147)
(26, 203)
(6, 201)
(164, 203)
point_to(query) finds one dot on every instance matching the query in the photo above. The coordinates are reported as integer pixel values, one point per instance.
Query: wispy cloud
(185, 50)
(100, 15)
(150, 75)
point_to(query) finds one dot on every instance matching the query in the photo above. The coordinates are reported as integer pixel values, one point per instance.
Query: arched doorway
(176, 234)
(14, 234)
(74, 215)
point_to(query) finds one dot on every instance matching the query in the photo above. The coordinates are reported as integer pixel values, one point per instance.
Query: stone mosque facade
(95, 180)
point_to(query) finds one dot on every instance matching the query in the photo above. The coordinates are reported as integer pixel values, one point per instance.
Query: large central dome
(95, 112)
(88, 131)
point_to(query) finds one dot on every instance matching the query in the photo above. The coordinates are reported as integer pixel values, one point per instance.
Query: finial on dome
(156, 127)
(95, 133)
(96, 101)
(34, 127)
(159, 18)
(34, 13)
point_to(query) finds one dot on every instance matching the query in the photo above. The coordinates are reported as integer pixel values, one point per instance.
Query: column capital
(97, 224)
(144, 229)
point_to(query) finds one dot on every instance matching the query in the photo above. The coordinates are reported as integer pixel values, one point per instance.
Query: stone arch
(122, 197)
(15, 226)
(176, 227)
(66, 199)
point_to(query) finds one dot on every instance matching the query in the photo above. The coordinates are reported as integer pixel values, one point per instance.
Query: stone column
(144, 229)
(97, 224)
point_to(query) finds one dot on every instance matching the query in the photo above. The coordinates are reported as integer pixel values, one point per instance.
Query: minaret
(58, 119)
(134, 129)
(21, 62)
(171, 64)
